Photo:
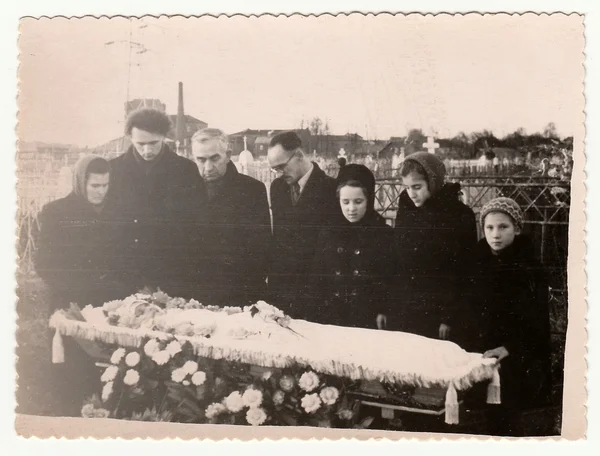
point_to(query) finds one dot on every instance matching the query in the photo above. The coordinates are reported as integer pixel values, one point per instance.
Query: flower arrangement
(164, 380)
(286, 397)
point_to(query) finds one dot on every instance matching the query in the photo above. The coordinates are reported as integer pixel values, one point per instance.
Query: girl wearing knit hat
(435, 235)
(352, 261)
(511, 298)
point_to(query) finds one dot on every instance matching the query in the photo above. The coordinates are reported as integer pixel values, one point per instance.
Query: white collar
(304, 179)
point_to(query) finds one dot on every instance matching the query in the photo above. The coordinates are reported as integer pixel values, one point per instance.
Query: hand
(499, 353)
(444, 331)
(381, 321)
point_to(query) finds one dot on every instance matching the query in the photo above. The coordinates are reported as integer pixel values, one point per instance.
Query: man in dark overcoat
(237, 227)
(303, 201)
(158, 197)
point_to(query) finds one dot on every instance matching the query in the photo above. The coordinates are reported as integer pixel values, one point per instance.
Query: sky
(377, 75)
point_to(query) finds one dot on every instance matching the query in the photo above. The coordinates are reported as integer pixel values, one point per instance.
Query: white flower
(190, 367)
(234, 402)
(266, 375)
(173, 348)
(308, 381)
(151, 347)
(252, 398)
(87, 411)
(131, 377)
(278, 397)
(256, 416)
(117, 355)
(198, 378)
(107, 391)
(345, 414)
(161, 357)
(311, 402)
(132, 359)
(178, 375)
(214, 409)
(101, 413)
(109, 374)
(286, 383)
(329, 395)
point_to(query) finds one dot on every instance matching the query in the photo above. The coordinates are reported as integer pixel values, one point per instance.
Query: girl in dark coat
(352, 259)
(435, 235)
(513, 314)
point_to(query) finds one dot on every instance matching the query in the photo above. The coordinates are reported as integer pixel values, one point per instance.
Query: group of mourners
(315, 247)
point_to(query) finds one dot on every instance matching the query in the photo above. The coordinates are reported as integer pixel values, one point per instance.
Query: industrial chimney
(180, 122)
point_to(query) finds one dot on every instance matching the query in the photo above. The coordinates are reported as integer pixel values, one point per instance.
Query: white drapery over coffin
(355, 353)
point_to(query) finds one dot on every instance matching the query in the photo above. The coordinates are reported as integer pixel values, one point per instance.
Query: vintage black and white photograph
(352, 222)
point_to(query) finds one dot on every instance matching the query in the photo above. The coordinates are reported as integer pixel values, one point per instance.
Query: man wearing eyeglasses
(302, 202)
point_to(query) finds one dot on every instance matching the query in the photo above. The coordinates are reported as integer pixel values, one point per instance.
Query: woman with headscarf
(77, 250)
(352, 260)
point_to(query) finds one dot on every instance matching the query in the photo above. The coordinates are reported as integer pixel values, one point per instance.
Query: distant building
(191, 125)
(37, 156)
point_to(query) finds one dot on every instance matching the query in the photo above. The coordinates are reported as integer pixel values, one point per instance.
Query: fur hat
(505, 205)
(433, 166)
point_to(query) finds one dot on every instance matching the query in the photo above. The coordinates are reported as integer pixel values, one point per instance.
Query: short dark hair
(342, 161)
(412, 166)
(150, 120)
(289, 140)
(97, 166)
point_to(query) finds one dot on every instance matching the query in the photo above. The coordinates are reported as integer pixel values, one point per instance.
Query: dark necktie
(295, 192)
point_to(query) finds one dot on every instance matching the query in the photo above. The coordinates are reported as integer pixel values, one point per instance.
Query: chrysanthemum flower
(278, 397)
(286, 383)
(109, 374)
(308, 381)
(117, 355)
(256, 416)
(311, 402)
(107, 391)
(214, 409)
(173, 348)
(151, 347)
(131, 377)
(132, 359)
(190, 367)
(329, 395)
(198, 378)
(234, 402)
(252, 398)
(178, 375)
(161, 357)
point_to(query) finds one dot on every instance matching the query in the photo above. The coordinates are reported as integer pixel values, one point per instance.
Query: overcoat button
(135, 221)
(340, 249)
(356, 272)
(337, 273)
(357, 252)
(337, 294)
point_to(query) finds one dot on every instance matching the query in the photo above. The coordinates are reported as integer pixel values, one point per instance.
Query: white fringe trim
(452, 408)
(462, 379)
(493, 391)
(58, 348)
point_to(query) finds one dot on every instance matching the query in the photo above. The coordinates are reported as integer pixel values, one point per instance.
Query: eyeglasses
(279, 168)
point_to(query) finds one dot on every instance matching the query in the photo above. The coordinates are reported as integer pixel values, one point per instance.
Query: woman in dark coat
(435, 236)
(352, 260)
(76, 246)
(513, 313)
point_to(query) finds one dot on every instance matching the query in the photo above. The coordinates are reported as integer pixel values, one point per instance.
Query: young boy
(512, 295)
(435, 236)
